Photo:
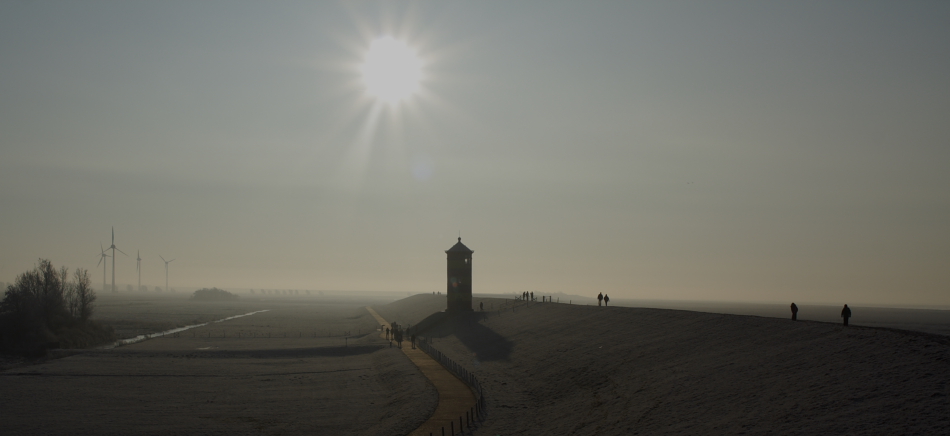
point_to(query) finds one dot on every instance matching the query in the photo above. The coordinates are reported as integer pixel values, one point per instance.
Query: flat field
(305, 366)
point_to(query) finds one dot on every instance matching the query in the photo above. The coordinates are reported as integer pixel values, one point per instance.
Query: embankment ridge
(586, 370)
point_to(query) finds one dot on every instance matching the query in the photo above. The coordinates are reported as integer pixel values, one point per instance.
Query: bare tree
(44, 308)
(85, 295)
(70, 300)
(51, 290)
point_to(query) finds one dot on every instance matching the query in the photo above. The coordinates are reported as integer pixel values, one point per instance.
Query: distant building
(459, 272)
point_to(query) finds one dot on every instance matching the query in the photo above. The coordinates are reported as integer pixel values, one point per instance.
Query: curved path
(455, 398)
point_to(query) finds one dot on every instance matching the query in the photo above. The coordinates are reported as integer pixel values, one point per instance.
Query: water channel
(141, 338)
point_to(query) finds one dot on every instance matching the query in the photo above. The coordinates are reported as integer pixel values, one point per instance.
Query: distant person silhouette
(846, 313)
(481, 306)
(606, 300)
(600, 298)
(794, 312)
(413, 340)
(532, 296)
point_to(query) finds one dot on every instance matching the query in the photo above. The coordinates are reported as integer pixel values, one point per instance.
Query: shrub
(44, 309)
(213, 294)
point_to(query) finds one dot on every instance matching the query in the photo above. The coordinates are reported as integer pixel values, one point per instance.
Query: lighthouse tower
(459, 272)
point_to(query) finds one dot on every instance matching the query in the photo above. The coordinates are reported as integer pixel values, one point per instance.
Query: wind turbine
(138, 267)
(102, 257)
(166, 271)
(113, 259)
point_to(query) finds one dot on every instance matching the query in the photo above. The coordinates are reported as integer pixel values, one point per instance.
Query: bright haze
(734, 151)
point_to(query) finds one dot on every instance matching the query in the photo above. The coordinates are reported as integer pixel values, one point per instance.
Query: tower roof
(459, 248)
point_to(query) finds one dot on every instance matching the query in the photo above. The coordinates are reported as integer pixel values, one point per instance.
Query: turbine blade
(100, 261)
(170, 261)
(120, 251)
(163, 259)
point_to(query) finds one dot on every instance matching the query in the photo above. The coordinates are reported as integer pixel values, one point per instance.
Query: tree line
(47, 307)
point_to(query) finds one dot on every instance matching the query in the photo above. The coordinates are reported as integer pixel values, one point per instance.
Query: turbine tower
(113, 248)
(166, 271)
(138, 267)
(102, 257)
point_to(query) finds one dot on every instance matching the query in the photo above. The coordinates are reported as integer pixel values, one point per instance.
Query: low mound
(412, 310)
(213, 294)
(585, 370)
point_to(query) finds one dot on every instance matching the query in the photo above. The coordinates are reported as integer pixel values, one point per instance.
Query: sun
(391, 70)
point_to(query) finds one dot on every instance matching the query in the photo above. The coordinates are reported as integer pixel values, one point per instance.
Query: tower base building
(459, 272)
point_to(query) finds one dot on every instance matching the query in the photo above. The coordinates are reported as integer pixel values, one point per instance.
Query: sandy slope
(288, 383)
(560, 369)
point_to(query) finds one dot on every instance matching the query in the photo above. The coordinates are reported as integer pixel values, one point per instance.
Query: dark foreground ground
(318, 367)
(586, 370)
(288, 371)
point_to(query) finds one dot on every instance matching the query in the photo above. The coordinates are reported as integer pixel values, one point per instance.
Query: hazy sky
(765, 151)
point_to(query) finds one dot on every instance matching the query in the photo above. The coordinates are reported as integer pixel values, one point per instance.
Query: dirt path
(455, 398)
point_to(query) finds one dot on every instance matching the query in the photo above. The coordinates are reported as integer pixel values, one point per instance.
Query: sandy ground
(562, 369)
(291, 370)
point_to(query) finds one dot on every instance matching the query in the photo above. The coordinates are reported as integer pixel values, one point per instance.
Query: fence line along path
(455, 398)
